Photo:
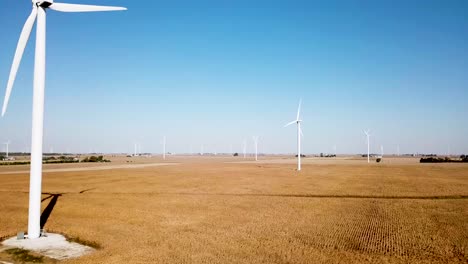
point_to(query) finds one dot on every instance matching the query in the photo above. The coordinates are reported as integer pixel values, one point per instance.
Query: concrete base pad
(53, 246)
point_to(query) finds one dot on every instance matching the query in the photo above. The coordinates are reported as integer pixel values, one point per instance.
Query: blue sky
(217, 72)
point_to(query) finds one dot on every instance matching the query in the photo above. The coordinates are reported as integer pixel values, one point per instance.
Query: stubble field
(220, 210)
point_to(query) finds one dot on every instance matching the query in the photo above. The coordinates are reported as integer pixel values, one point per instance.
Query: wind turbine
(164, 147)
(245, 148)
(6, 145)
(255, 140)
(368, 144)
(39, 12)
(298, 121)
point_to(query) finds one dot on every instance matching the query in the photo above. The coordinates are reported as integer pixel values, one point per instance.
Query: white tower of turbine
(7, 144)
(38, 13)
(368, 144)
(245, 148)
(298, 121)
(164, 147)
(255, 140)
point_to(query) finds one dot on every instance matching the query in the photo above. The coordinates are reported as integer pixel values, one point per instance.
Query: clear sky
(218, 72)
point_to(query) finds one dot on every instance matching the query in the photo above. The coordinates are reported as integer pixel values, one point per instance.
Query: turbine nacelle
(41, 3)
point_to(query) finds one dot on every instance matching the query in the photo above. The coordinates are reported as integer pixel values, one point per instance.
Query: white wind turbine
(245, 148)
(368, 144)
(298, 121)
(6, 147)
(255, 140)
(164, 147)
(39, 12)
(7, 144)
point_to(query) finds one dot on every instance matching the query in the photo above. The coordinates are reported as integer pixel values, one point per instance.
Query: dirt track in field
(105, 167)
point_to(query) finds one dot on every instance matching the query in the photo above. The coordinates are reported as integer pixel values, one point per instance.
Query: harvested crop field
(217, 210)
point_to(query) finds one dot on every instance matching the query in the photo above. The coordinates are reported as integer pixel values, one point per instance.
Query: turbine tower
(368, 144)
(39, 12)
(6, 145)
(255, 140)
(245, 148)
(298, 121)
(164, 147)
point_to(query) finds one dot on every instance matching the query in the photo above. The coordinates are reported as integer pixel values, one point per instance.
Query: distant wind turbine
(164, 147)
(7, 144)
(255, 140)
(245, 148)
(298, 121)
(39, 12)
(368, 144)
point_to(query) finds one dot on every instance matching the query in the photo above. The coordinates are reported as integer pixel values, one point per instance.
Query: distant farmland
(210, 210)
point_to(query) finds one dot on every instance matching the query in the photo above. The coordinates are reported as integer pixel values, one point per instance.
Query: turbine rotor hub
(42, 3)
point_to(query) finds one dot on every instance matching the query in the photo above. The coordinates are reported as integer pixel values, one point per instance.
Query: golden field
(225, 210)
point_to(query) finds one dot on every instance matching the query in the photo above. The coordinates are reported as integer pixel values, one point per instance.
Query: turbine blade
(83, 8)
(23, 40)
(290, 123)
(300, 130)
(299, 109)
